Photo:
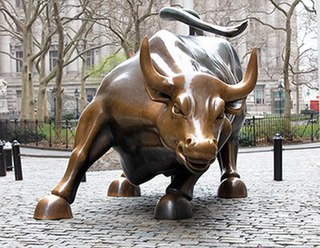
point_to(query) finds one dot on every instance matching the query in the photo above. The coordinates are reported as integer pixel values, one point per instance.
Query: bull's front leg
(231, 185)
(175, 204)
(93, 139)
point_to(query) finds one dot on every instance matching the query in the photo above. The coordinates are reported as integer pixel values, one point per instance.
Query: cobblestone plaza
(275, 214)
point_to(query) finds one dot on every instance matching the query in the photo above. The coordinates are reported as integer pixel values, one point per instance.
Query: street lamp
(280, 90)
(77, 94)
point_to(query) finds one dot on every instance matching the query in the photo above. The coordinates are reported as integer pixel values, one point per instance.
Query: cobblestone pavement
(275, 214)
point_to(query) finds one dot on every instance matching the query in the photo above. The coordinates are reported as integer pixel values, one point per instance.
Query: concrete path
(275, 214)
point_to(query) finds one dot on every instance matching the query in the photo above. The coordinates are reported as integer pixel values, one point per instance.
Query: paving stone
(275, 214)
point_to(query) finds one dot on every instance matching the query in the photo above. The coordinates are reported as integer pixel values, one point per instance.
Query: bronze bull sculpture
(172, 109)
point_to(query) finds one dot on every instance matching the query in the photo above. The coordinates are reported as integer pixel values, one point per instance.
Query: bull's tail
(192, 19)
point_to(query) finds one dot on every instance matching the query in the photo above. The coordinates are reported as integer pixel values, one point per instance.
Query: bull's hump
(173, 54)
(170, 56)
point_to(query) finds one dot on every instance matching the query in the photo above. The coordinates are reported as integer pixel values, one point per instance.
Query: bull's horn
(154, 78)
(247, 84)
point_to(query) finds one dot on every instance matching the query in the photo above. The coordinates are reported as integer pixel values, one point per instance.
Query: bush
(24, 136)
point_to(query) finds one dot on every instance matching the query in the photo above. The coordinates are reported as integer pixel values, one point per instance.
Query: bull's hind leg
(93, 139)
(175, 204)
(231, 185)
(123, 188)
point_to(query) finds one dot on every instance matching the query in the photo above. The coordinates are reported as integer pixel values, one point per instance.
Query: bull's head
(193, 122)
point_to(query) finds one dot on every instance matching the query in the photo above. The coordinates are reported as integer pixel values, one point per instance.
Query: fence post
(277, 157)
(15, 127)
(254, 131)
(67, 123)
(3, 169)
(311, 120)
(50, 135)
(17, 160)
(36, 132)
(25, 131)
(6, 130)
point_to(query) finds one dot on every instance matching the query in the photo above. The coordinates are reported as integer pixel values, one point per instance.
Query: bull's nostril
(212, 141)
(189, 141)
(180, 148)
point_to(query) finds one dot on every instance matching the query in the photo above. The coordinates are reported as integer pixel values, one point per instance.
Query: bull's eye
(220, 116)
(176, 109)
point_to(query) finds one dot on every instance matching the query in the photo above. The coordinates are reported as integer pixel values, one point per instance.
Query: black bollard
(277, 157)
(3, 169)
(17, 160)
(7, 150)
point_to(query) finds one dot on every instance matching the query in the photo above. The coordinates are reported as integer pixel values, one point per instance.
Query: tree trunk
(287, 111)
(41, 103)
(137, 36)
(42, 113)
(126, 48)
(83, 95)
(27, 101)
(297, 98)
(59, 71)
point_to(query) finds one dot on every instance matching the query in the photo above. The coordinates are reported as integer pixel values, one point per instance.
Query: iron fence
(40, 134)
(255, 131)
(261, 130)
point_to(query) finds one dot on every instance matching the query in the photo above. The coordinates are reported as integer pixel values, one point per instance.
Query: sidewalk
(51, 153)
(275, 214)
(44, 153)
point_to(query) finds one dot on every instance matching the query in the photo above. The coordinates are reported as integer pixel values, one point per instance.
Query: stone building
(268, 97)
(11, 53)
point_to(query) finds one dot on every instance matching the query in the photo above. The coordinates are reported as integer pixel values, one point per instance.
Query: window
(18, 100)
(19, 63)
(279, 101)
(53, 56)
(90, 94)
(18, 3)
(90, 59)
(259, 94)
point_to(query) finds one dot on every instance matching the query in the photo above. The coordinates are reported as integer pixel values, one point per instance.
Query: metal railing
(40, 134)
(261, 130)
(255, 131)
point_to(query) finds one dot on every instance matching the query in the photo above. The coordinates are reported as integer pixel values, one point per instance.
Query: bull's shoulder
(163, 35)
(210, 47)
(216, 56)
(169, 54)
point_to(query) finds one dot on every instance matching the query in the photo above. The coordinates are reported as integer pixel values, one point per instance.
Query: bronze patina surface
(172, 109)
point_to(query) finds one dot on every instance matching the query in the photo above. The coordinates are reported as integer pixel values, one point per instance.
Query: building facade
(267, 98)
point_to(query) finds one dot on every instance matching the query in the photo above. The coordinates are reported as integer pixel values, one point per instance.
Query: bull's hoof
(173, 207)
(232, 187)
(52, 207)
(123, 188)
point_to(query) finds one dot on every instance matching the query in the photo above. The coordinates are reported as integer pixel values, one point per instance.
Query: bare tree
(48, 30)
(287, 9)
(126, 20)
(21, 28)
(227, 12)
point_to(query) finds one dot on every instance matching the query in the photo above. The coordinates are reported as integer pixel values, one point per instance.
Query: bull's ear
(156, 95)
(235, 107)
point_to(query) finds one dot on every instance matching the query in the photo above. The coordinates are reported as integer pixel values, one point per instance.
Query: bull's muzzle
(197, 154)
